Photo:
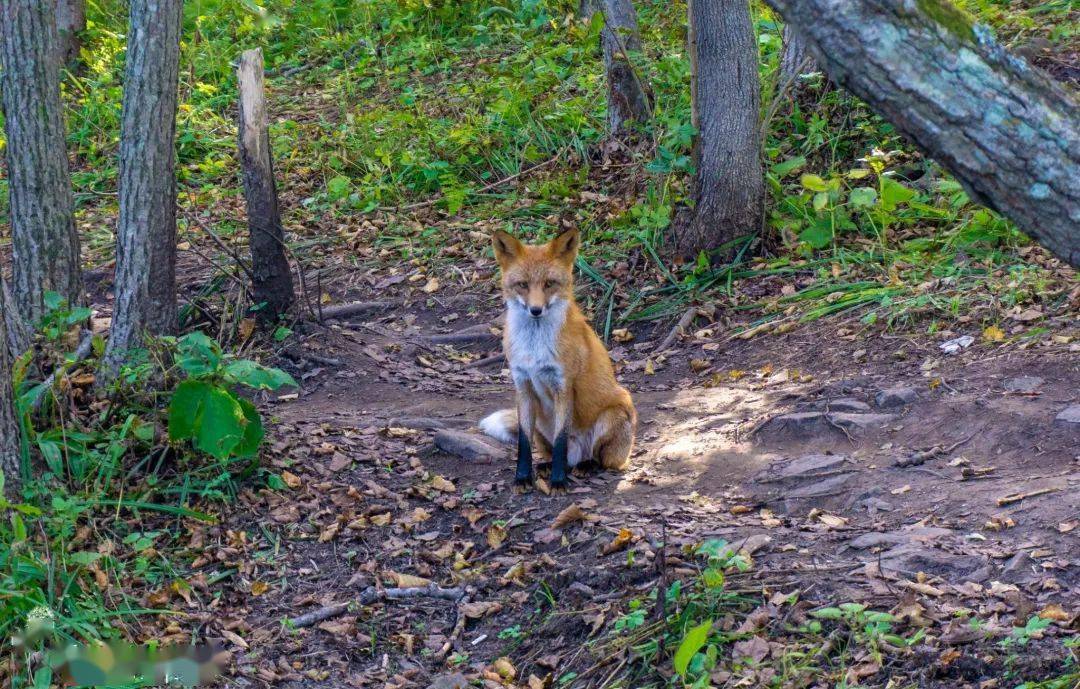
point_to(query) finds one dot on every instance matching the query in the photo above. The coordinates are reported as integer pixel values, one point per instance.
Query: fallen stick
(359, 308)
(472, 334)
(486, 361)
(680, 326)
(371, 595)
(1017, 497)
(455, 634)
(920, 458)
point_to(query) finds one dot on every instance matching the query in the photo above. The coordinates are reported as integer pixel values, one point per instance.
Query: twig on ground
(922, 457)
(486, 361)
(458, 630)
(1017, 497)
(371, 595)
(680, 326)
(359, 308)
(474, 334)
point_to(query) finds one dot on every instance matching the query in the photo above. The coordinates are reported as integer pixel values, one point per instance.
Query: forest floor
(779, 446)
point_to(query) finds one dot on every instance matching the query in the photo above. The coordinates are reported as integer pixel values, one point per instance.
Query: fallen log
(372, 595)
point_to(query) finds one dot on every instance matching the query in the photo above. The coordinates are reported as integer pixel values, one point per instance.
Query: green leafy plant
(204, 408)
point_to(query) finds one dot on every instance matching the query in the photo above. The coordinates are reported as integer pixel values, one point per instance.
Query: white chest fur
(533, 344)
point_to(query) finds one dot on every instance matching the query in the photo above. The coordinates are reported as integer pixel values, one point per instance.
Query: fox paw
(523, 485)
(560, 487)
(543, 469)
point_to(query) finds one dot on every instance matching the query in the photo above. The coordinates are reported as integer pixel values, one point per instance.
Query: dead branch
(486, 361)
(359, 308)
(372, 595)
(683, 323)
(470, 335)
(922, 457)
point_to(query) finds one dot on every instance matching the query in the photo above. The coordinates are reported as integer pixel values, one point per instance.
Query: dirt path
(792, 457)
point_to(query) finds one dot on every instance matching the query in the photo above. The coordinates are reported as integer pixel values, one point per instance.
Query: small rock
(834, 485)
(1023, 384)
(800, 423)
(847, 404)
(896, 397)
(468, 446)
(806, 467)
(1069, 417)
(910, 559)
(861, 422)
(454, 681)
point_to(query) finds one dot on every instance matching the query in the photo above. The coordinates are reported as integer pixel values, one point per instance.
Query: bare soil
(820, 503)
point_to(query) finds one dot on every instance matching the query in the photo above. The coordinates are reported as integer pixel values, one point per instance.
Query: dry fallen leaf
(571, 514)
(618, 543)
(496, 534)
(479, 609)
(1056, 613)
(504, 668)
(407, 581)
(291, 480)
(443, 485)
(235, 639)
(258, 588)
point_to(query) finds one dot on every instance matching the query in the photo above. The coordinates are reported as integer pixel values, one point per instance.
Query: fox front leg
(523, 477)
(559, 459)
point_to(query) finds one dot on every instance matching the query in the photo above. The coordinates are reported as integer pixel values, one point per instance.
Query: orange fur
(575, 380)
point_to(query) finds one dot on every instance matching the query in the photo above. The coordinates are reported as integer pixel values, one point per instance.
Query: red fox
(568, 401)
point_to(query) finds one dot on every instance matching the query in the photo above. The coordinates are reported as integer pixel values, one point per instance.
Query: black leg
(524, 459)
(558, 459)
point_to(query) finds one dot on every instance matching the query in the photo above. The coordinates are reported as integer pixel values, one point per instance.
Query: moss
(950, 17)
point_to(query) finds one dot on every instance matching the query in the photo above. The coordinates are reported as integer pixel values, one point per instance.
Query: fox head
(537, 277)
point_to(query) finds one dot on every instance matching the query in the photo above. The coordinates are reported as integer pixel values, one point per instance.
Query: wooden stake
(272, 284)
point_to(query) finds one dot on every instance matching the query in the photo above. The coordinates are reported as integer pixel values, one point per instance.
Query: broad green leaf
(813, 183)
(789, 166)
(338, 188)
(818, 235)
(821, 199)
(828, 614)
(863, 197)
(222, 424)
(185, 408)
(893, 193)
(199, 355)
(253, 431)
(691, 644)
(254, 375)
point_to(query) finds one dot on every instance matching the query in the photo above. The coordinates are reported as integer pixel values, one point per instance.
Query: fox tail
(502, 425)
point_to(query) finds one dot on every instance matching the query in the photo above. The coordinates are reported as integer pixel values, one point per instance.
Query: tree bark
(1005, 130)
(272, 280)
(146, 232)
(9, 426)
(45, 245)
(795, 59)
(728, 189)
(70, 22)
(628, 100)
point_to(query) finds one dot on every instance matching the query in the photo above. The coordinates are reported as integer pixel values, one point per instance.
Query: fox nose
(536, 311)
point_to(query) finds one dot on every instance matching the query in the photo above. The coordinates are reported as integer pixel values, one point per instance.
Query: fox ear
(565, 246)
(507, 248)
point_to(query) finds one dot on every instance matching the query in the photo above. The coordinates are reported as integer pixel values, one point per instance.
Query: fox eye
(550, 284)
(521, 285)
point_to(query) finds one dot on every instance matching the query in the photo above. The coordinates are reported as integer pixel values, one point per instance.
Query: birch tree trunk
(1006, 131)
(146, 232)
(70, 22)
(272, 280)
(9, 426)
(728, 189)
(45, 246)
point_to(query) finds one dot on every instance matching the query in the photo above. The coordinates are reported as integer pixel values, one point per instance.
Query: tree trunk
(795, 59)
(627, 99)
(146, 231)
(728, 190)
(9, 426)
(70, 22)
(271, 277)
(45, 245)
(1006, 131)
